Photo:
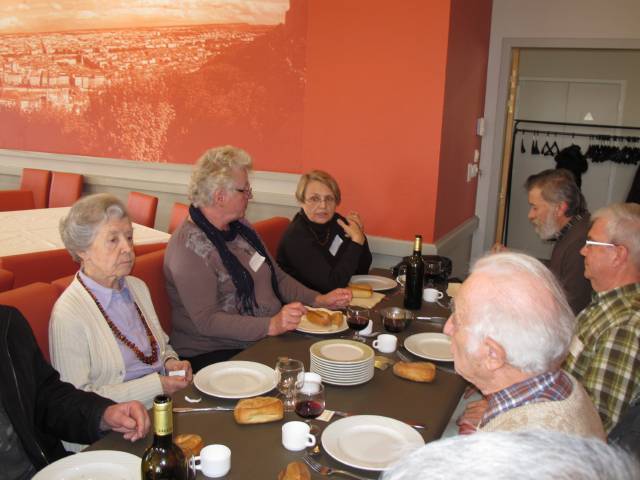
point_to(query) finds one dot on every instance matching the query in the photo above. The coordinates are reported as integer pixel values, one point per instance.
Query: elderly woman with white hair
(226, 290)
(104, 334)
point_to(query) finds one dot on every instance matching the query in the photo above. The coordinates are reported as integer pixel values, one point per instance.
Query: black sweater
(42, 408)
(304, 254)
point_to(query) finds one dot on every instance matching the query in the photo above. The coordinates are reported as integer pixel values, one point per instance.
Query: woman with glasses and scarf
(321, 248)
(226, 291)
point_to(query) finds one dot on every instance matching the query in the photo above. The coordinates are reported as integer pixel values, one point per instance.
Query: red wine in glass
(309, 408)
(357, 322)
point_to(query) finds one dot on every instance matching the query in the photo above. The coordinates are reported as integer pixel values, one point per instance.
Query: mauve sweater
(204, 313)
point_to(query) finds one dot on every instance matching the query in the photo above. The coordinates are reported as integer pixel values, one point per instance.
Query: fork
(326, 471)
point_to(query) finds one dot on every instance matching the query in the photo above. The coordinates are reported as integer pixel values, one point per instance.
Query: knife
(201, 409)
(408, 422)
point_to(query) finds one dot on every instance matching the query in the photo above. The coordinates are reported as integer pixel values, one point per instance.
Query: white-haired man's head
(525, 455)
(511, 316)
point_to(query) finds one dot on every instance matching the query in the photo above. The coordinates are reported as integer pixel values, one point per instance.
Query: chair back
(35, 301)
(39, 182)
(142, 208)
(66, 188)
(6, 279)
(271, 231)
(149, 268)
(11, 200)
(179, 212)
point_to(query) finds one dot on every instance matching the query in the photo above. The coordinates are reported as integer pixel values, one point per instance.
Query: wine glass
(288, 371)
(310, 400)
(358, 319)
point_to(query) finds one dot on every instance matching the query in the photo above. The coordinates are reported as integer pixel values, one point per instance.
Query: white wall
(611, 24)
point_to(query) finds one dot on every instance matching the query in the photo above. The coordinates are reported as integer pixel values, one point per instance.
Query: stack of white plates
(342, 362)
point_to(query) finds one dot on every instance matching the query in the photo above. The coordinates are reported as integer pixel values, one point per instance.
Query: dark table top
(256, 450)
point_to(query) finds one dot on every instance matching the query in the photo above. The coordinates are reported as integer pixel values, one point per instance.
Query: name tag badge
(256, 262)
(576, 346)
(335, 245)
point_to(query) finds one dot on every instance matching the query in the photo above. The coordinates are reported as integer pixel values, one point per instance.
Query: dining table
(257, 451)
(36, 230)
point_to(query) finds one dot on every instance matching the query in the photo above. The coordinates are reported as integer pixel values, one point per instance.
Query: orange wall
(463, 104)
(393, 92)
(374, 107)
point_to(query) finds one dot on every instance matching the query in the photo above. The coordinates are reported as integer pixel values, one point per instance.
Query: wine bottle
(414, 276)
(163, 459)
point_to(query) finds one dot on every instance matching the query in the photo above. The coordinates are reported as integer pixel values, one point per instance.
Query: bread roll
(336, 318)
(295, 471)
(360, 290)
(189, 443)
(415, 371)
(258, 410)
(318, 317)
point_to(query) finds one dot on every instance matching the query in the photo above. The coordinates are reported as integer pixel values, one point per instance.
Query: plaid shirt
(605, 356)
(544, 387)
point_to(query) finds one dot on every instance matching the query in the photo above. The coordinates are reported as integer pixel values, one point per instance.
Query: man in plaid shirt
(605, 353)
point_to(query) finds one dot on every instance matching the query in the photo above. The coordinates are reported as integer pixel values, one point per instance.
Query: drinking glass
(288, 371)
(310, 400)
(358, 319)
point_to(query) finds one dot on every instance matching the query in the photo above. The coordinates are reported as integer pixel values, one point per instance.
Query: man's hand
(129, 418)
(470, 419)
(340, 297)
(498, 248)
(286, 319)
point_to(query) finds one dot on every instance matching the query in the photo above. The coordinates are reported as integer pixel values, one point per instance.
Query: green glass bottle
(414, 277)
(163, 459)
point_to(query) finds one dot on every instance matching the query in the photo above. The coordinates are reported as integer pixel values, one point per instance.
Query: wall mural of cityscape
(153, 80)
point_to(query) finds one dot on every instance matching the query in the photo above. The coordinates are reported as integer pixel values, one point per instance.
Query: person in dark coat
(38, 410)
(321, 248)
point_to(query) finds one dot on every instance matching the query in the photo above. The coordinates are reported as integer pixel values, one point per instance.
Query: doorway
(579, 86)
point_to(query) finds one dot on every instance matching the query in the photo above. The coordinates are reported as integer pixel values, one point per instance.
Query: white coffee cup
(385, 343)
(214, 461)
(432, 295)
(309, 381)
(297, 436)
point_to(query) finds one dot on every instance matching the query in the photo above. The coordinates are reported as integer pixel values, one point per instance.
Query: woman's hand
(353, 228)
(171, 385)
(340, 297)
(286, 319)
(173, 365)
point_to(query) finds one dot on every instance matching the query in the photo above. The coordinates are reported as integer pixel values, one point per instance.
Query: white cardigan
(86, 353)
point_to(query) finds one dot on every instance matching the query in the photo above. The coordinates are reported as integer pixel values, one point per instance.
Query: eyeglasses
(316, 200)
(248, 191)
(590, 243)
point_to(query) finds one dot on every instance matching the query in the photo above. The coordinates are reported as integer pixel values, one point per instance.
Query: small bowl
(396, 319)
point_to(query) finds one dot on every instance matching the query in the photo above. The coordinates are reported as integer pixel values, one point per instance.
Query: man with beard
(558, 212)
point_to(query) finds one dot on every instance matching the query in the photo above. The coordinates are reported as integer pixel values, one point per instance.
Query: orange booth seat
(179, 212)
(49, 265)
(271, 231)
(39, 182)
(11, 200)
(6, 280)
(35, 302)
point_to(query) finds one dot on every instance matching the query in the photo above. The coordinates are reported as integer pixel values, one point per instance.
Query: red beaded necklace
(149, 360)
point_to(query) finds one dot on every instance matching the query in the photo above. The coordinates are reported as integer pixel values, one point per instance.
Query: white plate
(235, 379)
(432, 346)
(306, 326)
(96, 465)
(340, 351)
(369, 442)
(378, 284)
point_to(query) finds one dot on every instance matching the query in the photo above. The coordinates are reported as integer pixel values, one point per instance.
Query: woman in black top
(321, 248)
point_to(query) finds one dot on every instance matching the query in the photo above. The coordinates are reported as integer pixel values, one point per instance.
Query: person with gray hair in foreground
(510, 331)
(531, 454)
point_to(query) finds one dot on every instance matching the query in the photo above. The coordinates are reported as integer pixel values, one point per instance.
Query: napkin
(370, 302)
